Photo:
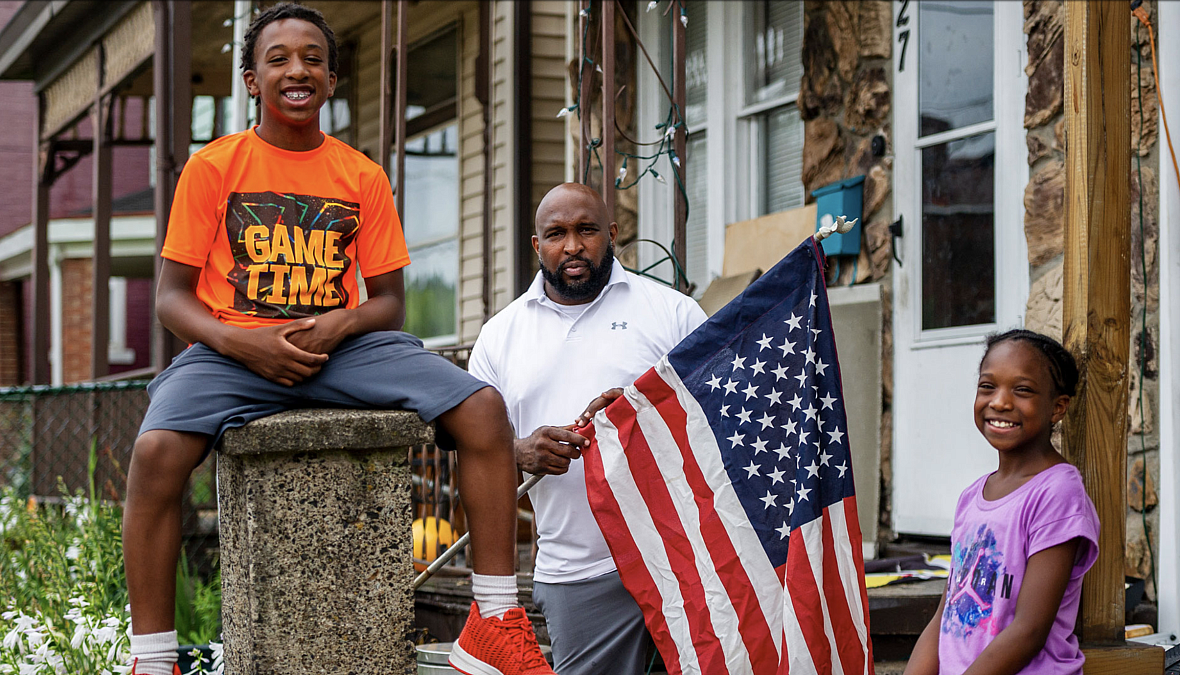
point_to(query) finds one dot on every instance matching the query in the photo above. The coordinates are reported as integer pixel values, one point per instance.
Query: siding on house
(425, 19)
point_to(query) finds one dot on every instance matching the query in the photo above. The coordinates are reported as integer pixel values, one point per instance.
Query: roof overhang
(45, 37)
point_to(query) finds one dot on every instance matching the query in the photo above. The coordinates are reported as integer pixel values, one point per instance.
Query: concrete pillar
(315, 543)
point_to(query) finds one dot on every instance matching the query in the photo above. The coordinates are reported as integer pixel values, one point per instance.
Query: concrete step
(897, 614)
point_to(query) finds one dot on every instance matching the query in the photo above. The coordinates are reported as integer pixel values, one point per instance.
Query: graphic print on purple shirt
(976, 571)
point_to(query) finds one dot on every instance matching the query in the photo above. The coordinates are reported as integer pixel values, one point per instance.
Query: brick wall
(10, 331)
(16, 145)
(76, 292)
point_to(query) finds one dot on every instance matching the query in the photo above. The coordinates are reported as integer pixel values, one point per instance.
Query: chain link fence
(55, 439)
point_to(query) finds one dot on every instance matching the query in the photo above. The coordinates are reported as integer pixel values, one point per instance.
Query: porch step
(897, 614)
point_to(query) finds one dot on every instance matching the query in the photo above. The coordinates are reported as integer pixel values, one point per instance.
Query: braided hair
(1062, 367)
(288, 10)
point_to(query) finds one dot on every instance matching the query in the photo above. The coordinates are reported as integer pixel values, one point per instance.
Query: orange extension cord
(1141, 14)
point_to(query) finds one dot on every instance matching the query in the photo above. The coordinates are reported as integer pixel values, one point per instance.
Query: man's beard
(589, 288)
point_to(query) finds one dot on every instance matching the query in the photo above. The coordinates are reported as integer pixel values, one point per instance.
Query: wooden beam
(39, 369)
(1097, 288)
(385, 103)
(100, 300)
(608, 106)
(679, 143)
(1123, 658)
(399, 104)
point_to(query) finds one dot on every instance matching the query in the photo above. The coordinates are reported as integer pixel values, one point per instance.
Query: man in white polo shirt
(585, 326)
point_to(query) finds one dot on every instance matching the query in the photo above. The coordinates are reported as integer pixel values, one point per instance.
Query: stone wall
(845, 100)
(1044, 221)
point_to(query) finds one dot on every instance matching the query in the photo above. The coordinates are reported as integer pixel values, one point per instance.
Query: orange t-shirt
(276, 232)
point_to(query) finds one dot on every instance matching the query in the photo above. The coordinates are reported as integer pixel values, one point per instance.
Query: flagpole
(841, 225)
(454, 549)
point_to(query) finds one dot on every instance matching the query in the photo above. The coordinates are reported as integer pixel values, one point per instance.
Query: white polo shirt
(549, 361)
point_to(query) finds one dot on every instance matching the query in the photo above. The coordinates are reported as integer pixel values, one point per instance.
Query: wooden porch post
(385, 103)
(1096, 310)
(172, 66)
(100, 306)
(608, 106)
(42, 168)
(587, 76)
(679, 144)
(399, 105)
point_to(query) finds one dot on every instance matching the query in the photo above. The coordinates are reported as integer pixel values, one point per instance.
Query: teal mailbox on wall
(842, 198)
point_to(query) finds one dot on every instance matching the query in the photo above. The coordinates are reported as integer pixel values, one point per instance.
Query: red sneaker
(175, 668)
(504, 646)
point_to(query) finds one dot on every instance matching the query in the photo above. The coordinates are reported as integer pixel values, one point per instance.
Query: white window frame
(736, 187)
(1011, 174)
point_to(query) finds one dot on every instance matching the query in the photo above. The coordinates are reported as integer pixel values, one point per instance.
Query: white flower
(11, 641)
(80, 634)
(35, 638)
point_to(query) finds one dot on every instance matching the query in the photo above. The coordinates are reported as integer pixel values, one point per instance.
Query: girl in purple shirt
(1024, 535)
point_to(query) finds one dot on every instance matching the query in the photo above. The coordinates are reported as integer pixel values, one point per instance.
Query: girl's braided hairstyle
(1062, 367)
(288, 10)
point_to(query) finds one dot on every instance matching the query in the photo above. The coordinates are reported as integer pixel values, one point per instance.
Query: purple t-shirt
(991, 544)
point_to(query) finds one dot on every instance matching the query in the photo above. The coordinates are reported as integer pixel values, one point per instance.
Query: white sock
(494, 595)
(154, 653)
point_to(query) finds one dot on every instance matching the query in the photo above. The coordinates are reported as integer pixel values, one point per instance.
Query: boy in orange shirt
(258, 276)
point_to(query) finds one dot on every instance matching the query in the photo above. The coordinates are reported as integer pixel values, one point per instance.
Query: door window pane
(431, 281)
(784, 159)
(431, 225)
(955, 60)
(774, 62)
(696, 72)
(432, 186)
(697, 226)
(958, 233)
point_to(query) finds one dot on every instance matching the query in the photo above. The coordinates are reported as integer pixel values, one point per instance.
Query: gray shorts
(204, 392)
(594, 626)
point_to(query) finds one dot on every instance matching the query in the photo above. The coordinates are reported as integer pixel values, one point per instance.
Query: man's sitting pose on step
(258, 275)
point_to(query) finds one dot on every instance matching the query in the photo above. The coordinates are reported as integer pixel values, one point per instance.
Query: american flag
(722, 481)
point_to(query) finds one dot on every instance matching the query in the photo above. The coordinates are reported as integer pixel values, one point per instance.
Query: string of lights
(664, 147)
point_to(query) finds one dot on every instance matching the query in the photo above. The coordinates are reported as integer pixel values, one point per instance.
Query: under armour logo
(618, 325)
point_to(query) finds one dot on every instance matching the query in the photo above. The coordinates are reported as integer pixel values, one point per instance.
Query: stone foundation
(316, 546)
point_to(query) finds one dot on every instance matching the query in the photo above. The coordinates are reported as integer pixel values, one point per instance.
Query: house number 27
(903, 36)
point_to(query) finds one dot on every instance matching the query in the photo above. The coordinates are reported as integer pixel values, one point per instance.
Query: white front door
(959, 174)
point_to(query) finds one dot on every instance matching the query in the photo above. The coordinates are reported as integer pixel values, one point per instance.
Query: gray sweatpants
(595, 627)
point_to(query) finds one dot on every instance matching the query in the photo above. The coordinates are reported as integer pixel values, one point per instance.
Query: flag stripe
(767, 583)
(813, 536)
(640, 559)
(805, 604)
(849, 648)
(745, 637)
(796, 659)
(849, 558)
(741, 597)
(654, 492)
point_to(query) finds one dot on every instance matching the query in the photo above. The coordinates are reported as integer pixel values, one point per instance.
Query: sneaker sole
(467, 664)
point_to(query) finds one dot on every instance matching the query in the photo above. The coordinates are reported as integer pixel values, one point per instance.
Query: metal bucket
(432, 659)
